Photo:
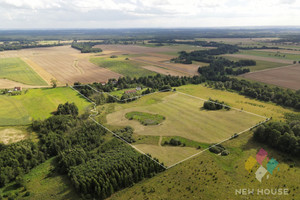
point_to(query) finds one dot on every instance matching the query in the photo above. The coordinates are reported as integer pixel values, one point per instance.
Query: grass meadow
(122, 66)
(36, 104)
(17, 70)
(43, 182)
(186, 121)
(210, 176)
(260, 64)
(272, 55)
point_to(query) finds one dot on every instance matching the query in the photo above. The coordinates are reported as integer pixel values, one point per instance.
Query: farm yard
(36, 104)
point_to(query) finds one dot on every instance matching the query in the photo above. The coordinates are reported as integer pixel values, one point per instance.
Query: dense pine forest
(97, 163)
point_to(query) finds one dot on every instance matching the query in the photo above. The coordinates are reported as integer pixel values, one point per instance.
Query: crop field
(16, 69)
(237, 101)
(287, 77)
(272, 54)
(122, 66)
(259, 57)
(156, 59)
(260, 64)
(62, 63)
(36, 104)
(194, 123)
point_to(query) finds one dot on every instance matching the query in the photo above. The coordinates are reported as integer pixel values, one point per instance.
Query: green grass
(272, 55)
(36, 104)
(260, 64)
(17, 70)
(146, 139)
(210, 176)
(184, 117)
(185, 120)
(145, 118)
(238, 101)
(43, 183)
(122, 66)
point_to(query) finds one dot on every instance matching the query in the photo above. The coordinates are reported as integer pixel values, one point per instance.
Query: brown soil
(63, 63)
(288, 76)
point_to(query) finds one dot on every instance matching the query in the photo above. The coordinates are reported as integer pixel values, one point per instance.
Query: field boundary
(95, 112)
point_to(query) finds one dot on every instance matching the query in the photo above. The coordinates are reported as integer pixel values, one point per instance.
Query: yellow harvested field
(191, 69)
(6, 83)
(151, 56)
(184, 118)
(165, 71)
(167, 154)
(63, 63)
(11, 135)
(133, 49)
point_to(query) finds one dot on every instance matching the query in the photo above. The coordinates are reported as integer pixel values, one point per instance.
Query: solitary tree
(53, 83)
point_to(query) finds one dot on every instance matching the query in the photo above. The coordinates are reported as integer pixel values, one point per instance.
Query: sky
(56, 14)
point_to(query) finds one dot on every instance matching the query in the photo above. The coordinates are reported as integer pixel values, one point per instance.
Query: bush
(225, 153)
(27, 194)
(217, 149)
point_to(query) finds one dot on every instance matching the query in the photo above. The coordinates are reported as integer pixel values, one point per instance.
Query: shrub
(225, 153)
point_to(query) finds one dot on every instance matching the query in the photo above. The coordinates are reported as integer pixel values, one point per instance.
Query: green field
(17, 70)
(43, 183)
(36, 104)
(272, 55)
(184, 117)
(122, 66)
(184, 120)
(145, 118)
(210, 176)
(260, 64)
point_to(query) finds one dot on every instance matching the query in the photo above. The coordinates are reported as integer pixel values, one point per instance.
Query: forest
(207, 56)
(86, 47)
(280, 135)
(97, 164)
(24, 45)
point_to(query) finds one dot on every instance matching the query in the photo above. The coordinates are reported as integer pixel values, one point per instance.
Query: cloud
(146, 13)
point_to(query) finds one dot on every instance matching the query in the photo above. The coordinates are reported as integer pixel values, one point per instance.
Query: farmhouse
(138, 88)
(18, 89)
(103, 83)
(130, 91)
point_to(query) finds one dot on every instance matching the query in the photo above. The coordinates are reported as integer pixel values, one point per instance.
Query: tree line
(6, 46)
(280, 135)
(214, 77)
